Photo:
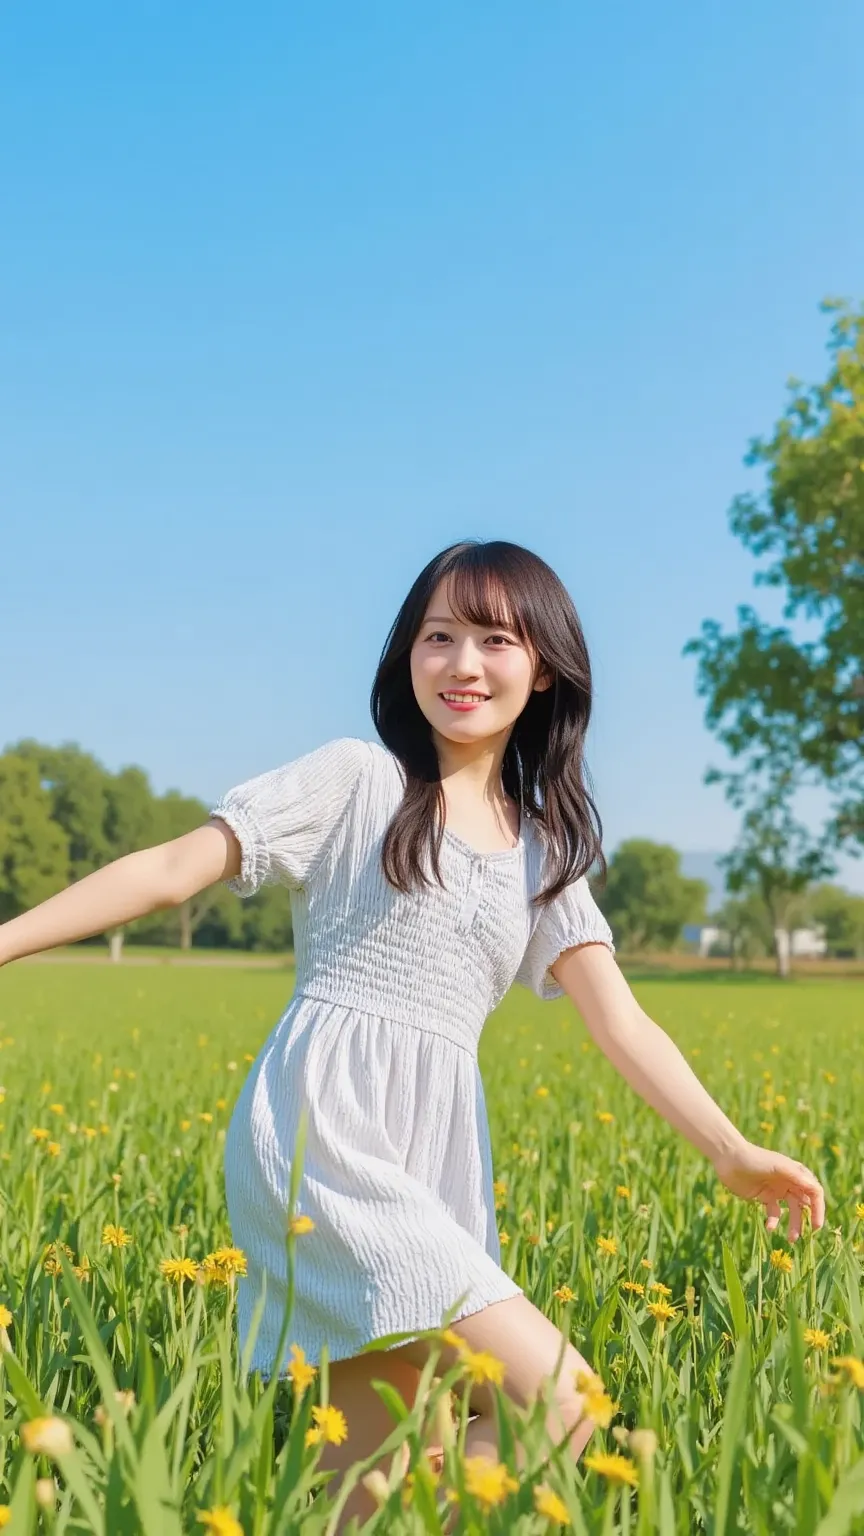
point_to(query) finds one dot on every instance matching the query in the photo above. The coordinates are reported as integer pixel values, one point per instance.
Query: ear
(544, 680)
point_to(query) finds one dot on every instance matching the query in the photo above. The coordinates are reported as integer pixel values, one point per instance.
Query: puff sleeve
(283, 819)
(572, 918)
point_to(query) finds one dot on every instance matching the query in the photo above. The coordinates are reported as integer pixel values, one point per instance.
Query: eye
(437, 634)
(505, 638)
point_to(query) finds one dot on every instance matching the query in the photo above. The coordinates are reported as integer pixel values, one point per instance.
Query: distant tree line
(649, 902)
(63, 815)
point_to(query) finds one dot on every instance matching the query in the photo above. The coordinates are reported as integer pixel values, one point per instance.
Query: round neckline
(496, 853)
(453, 837)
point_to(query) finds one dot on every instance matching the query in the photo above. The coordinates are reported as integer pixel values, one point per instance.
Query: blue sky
(294, 296)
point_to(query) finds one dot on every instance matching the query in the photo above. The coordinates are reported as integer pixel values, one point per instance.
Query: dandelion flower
(300, 1372)
(607, 1245)
(660, 1288)
(481, 1366)
(300, 1224)
(647, 1263)
(231, 1260)
(488, 1482)
(330, 1426)
(622, 1192)
(5, 1516)
(39, 1133)
(859, 1212)
(618, 1469)
(816, 1338)
(781, 1260)
(115, 1237)
(541, 1092)
(661, 1311)
(178, 1270)
(5, 1317)
(219, 1521)
(634, 1286)
(548, 1503)
(564, 1293)
(605, 1117)
(854, 1369)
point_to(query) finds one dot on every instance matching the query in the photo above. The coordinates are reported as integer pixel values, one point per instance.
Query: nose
(466, 660)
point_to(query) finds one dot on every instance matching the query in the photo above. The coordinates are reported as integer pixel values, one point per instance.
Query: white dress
(379, 1046)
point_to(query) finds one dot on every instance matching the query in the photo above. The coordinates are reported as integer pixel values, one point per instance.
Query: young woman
(426, 875)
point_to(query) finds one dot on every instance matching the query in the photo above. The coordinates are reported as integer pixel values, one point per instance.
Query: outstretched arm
(130, 887)
(652, 1064)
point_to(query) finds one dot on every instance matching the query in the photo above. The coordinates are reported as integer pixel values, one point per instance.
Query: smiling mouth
(464, 698)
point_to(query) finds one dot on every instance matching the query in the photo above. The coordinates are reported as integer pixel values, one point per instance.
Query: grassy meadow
(733, 1390)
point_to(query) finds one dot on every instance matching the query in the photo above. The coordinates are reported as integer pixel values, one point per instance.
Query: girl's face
(471, 681)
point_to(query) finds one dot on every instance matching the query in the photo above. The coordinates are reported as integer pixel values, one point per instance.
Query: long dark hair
(495, 583)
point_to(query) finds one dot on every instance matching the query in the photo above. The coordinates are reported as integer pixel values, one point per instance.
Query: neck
(475, 765)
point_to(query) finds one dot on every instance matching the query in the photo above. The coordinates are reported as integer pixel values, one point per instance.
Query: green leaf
(735, 1291)
(847, 1503)
(732, 1433)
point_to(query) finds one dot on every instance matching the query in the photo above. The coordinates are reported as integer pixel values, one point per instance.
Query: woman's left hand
(757, 1173)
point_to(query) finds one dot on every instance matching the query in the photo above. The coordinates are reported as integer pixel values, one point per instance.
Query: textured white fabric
(379, 1047)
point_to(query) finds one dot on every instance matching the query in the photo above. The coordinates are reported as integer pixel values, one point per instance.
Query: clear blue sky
(294, 295)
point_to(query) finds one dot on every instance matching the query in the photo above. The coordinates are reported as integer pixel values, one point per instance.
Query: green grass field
(116, 1086)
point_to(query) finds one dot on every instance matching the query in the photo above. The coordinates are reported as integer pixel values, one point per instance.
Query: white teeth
(465, 698)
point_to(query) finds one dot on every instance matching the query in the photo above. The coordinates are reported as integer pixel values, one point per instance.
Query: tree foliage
(64, 815)
(789, 698)
(646, 898)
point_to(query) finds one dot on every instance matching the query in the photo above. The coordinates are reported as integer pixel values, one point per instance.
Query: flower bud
(46, 1492)
(47, 1437)
(643, 1444)
(376, 1484)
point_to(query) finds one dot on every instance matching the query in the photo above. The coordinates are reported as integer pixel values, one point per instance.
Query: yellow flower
(300, 1224)
(564, 1293)
(179, 1270)
(781, 1260)
(115, 1237)
(330, 1426)
(39, 1133)
(481, 1366)
(301, 1373)
(859, 1212)
(854, 1369)
(206, 1116)
(634, 1286)
(488, 1482)
(57, 1109)
(604, 1117)
(185, 1124)
(53, 1149)
(661, 1311)
(220, 1522)
(548, 1503)
(5, 1516)
(622, 1192)
(5, 1317)
(607, 1245)
(46, 1437)
(504, 1237)
(541, 1093)
(232, 1261)
(662, 1290)
(50, 1261)
(816, 1338)
(598, 1405)
(647, 1263)
(618, 1469)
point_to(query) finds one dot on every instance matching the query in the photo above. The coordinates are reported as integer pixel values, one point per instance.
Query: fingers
(772, 1208)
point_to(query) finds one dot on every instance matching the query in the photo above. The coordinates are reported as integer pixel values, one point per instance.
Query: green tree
(77, 786)
(646, 899)
(34, 852)
(780, 702)
(777, 860)
(744, 923)
(841, 915)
